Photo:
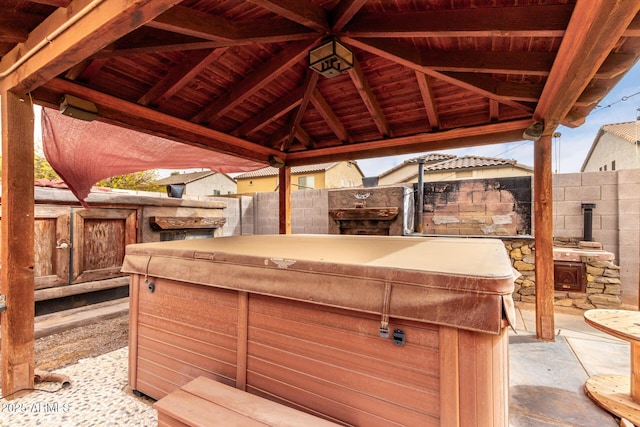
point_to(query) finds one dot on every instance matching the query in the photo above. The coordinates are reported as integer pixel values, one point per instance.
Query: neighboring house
(455, 168)
(325, 175)
(409, 168)
(200, 184)
(615, 148)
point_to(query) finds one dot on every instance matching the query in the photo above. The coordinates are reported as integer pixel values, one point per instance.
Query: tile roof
(629, 131)
(184, 178)
(465, 162)
(271, 171)
(428, 158)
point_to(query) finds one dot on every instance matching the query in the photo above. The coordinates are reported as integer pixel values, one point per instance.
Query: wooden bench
(205, 402)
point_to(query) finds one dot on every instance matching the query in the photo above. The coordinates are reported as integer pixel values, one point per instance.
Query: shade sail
(83, 153)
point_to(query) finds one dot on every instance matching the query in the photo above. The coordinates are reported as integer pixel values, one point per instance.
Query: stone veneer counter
(603, 286)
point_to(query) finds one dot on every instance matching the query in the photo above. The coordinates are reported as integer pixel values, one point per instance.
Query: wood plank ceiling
(233, 75)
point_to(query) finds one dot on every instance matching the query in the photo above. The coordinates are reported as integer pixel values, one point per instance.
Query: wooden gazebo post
(284, 200)
(543, 218)
(17, 254)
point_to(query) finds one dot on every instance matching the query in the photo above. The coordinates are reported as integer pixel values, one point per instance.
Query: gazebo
(298, 82)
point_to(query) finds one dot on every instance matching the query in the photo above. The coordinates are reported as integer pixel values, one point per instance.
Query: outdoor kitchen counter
(366, 330)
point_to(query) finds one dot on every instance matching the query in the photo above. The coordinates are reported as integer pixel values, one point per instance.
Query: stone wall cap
(573, 254)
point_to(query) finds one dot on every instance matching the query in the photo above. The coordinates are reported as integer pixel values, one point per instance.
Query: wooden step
(205, 402)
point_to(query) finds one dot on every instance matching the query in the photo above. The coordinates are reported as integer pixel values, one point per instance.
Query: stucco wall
(613, 148)
(207, 186)
(343, 175)
(484, 173)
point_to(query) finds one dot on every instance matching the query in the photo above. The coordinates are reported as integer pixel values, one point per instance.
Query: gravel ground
(59, 350)
(95, 358)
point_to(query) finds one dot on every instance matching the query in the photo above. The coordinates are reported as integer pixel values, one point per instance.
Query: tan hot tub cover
(464, 283)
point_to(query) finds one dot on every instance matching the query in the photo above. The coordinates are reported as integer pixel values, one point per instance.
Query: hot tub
(362, 330)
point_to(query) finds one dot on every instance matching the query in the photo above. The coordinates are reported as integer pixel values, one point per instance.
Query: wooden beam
(428, 100)
(521, 21)
(70, 35)
(369, 99)
(543, 233)
(634, 28)
(271, 113)
(343, 12)
(14, 26)
(410, 58)
(615, 65)
(309, 86)
(304, 138)
(17, 254)
(167, 42)
(583, 50)
(254, 82)
(334, 123)
(494, 110)
(85, 70)
(56, 3)
(449, 139)
(189, 22)
(505, 92)
(179, 76)
(303, 12)
(158, 223)
(265, 31)
(145, 119)
(284, 200)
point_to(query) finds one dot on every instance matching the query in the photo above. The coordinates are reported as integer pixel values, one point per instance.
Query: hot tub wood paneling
(316, 355)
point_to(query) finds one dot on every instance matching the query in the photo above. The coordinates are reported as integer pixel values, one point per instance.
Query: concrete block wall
(629, 231)
(310, 212)
(616, 217)
(239, 215)
(258, 214)
(266, 213)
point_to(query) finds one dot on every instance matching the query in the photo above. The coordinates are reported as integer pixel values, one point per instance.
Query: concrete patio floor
(546, 382)
(547, 378)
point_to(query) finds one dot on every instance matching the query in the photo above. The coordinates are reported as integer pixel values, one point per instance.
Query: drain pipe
(587, 209)
(420, 195)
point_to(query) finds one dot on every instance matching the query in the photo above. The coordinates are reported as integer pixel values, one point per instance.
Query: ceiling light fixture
(331, 58)
(78, 108)
(276, 162)
(534, 131)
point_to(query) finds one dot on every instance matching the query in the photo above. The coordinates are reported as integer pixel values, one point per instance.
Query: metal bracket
(3, 303)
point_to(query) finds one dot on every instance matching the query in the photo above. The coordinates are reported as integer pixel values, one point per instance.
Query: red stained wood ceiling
(233, 75)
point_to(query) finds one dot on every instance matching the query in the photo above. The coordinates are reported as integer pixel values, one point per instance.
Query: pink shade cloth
(83, 153)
